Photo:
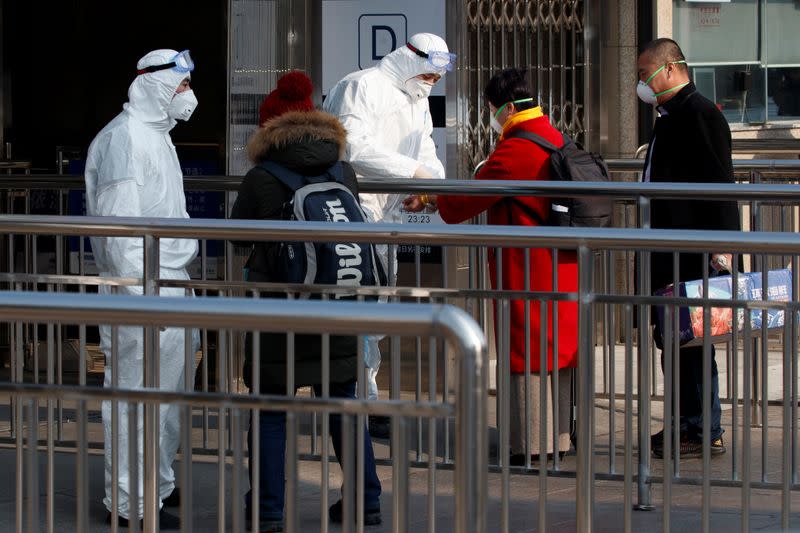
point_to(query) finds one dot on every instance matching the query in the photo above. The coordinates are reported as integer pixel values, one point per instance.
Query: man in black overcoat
(691, 142)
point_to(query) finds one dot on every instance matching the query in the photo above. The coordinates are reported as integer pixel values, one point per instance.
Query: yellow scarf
(521, 116)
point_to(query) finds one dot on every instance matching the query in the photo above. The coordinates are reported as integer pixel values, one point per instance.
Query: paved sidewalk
(523, 503)
(525, 493)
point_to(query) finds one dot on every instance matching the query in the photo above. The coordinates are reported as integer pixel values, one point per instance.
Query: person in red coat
(510, 103)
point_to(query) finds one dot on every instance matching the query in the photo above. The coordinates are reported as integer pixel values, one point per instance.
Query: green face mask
(654, 74)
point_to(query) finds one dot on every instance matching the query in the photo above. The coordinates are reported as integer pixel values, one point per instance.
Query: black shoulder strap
(290, 179)
(513, 200)
(336, 171)
(547, 145)
(295, 181)
(541, 141)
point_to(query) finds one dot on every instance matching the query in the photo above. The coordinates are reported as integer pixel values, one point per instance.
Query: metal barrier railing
(756, 197)
(231, 183)
(253, 315)
(761, 204)
(587, 242)
(752, 146)
(741, 167)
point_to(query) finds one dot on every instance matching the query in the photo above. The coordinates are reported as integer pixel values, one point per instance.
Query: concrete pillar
(618, 101)
(619, 109)
(663, 18)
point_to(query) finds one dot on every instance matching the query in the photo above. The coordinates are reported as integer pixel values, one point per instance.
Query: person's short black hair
(509, 85)
(664, 51)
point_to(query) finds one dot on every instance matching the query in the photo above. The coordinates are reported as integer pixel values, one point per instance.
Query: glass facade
(253, 73)
(744, 55)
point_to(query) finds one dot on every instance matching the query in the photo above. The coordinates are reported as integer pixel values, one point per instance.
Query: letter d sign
(379, 34)
(380, 42)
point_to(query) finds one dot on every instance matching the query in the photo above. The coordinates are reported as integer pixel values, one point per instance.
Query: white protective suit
(388, 135)
(132, 170)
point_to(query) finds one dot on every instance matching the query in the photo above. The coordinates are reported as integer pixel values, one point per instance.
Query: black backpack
(572, 163)
(323, 198)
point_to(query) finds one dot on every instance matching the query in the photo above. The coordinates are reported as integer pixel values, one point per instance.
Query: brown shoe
(691, 448)
(718, 446)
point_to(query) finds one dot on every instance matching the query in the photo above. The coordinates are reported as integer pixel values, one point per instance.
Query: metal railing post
(757, 264)
(584, 502)
(471, 436)
(151, 381)
(644, 361)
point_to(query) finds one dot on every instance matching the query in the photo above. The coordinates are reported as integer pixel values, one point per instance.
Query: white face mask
(417, 89)
(646, 93)
(496, 126)
(182, 105)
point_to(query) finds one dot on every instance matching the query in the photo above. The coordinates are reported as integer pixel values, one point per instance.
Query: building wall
(774, 131)
(619, 108)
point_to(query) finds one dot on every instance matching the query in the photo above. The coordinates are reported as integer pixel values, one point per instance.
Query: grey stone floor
(523, 503)
(525, 488)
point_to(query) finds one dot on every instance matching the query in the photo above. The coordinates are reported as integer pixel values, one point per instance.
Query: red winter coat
(520, 159)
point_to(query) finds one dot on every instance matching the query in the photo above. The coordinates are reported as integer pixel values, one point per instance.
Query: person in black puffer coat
(690, 143)
(307, 141)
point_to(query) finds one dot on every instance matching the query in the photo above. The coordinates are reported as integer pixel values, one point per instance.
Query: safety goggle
(182, 63)
(438, 60)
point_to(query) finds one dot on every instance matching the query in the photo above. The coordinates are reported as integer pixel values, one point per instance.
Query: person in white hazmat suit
(388, 121)
(132, 170)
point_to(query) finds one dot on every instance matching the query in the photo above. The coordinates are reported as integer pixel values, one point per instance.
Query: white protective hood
(132, 170)
(402, 64)
(150, 94)
(388, 133)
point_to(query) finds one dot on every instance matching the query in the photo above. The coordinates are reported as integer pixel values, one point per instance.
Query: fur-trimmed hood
(296, 128)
